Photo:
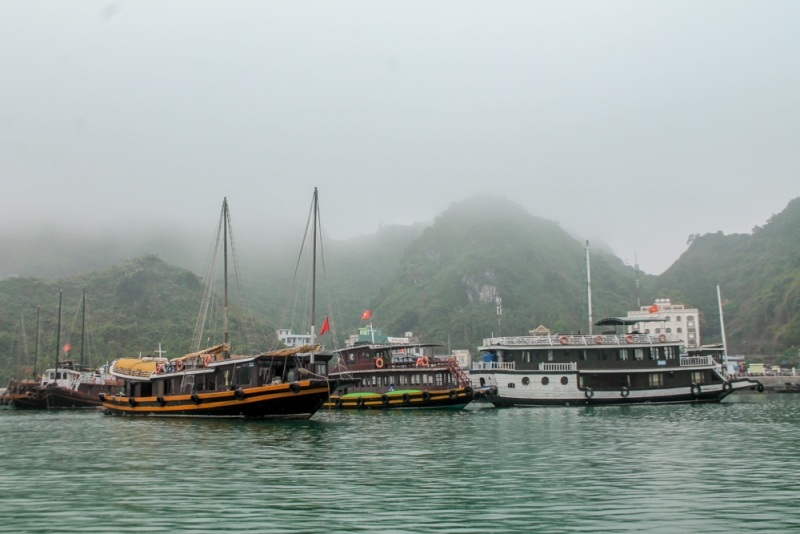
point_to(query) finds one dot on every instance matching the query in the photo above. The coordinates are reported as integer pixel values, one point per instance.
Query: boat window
(244, 375)
(654, 352)
(374, 380)
(527, 356)
(545, 380)
(403, 380)
(564, 380)
(211, 382)
(391, 380)
(439, 380)
(525, 381)
(351, 357)
(511, 385)
(622, 355)
(419, 382)
(582, 355)
(638, 354)
(226, 377)
(656, 379)
(483, 382)
(698, 377)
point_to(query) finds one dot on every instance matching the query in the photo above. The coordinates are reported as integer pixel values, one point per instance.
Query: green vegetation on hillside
(133, 306)
(759, 274)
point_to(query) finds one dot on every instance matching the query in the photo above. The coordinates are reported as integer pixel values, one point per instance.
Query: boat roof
(391, 346)
(624, 321)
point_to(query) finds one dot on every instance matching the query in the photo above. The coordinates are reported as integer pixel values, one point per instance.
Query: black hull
(267, 402)
(55, 399)
(434, 400)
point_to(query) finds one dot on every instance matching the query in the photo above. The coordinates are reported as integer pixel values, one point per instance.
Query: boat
(291, 383)
(68, 385)
(615, 368)
(397, 374)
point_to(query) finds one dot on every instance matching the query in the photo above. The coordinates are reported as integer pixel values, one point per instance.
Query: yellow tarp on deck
(134, 367)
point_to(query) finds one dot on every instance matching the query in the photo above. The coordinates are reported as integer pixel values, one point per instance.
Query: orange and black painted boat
(285, 384)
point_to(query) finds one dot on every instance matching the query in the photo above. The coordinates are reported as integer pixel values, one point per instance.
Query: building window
(679, 330)
(564, 380)
(678, 318)
(647, 331)
(669, 330)
(658, 330)
(511, 385)
(545, 380)
(656, 380)
(666, 318)
(525, 380)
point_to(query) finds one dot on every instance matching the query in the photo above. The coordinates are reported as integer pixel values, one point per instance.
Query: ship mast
(589, 286)
(638, 292)
(58, 333)
(38, 337)
(315, 210)
(225, 267)
(83, 328)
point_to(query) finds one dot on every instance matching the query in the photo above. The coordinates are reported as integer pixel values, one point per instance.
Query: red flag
(325, 327)
(67, 347)
(653, 308)
(365, 315)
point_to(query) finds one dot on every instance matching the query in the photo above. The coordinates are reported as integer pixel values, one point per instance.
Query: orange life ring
(179, 365)
(662, 338)
(426, 361)
(564, 340)
(207, 359)
(159, 368)
(452, 358)
(379, 362)
(598, 340)
(419, 362)
(629, 339)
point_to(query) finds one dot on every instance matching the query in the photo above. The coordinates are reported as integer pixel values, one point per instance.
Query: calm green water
(712, 468)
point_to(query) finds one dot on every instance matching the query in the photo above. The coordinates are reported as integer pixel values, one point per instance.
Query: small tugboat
(291, 383)
(399, 375)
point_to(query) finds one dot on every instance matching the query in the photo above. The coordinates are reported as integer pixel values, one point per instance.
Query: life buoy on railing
(179, 365)
(379, 362)
(207, 359)
(564, 340)
(419, 362)
(598, 340)
(159, 368)
(662, 338)
(426, 361)
(629, 339)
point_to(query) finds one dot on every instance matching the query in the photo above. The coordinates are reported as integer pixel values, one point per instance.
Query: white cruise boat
(599, 369)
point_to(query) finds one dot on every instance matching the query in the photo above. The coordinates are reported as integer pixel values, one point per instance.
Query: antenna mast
(589, 286)
(225, 266)
(638, 292)
(722, 326)
(315, 209)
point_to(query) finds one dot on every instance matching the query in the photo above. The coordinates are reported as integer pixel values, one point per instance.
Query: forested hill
(486, 247)
(759, 274)
(132, 307)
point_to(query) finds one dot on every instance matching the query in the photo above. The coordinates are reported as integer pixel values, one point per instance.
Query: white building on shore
(293, 340)
(676, 318)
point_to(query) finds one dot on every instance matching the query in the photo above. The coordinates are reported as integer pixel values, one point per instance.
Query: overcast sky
(637, 123)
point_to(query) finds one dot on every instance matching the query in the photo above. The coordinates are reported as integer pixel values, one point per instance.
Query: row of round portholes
(545, 380)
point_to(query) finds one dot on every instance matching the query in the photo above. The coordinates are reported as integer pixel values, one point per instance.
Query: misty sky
(637, 123)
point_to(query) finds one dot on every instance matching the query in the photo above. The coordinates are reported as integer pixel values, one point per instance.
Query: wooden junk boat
(284, 384)
(292, 383)
(399, 375)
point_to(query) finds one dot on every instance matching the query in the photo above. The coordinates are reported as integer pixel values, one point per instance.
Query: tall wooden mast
(314, 209)
(83, 328)
(225, 266)
(58, 332)
(38, 337)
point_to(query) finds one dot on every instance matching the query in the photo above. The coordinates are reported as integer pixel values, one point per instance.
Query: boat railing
(696, 361)
(487, 366)
(567, 340)
(572, 366)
